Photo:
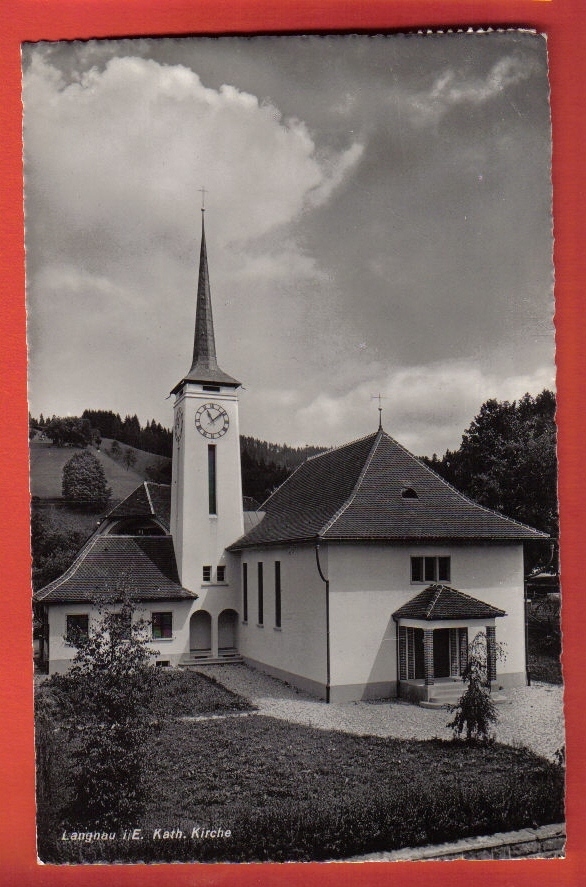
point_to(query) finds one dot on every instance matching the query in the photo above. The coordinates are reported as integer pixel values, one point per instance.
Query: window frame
(206, 573)
(162, 637)
(278, 598)
(245, 591)
(84, 632)
(260, 594)
(221, 573)
(435, 568)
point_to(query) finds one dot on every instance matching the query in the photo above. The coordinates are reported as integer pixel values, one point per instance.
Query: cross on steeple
(202, 191)
(379, 397)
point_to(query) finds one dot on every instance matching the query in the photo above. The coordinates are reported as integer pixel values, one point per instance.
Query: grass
(47, 461)
(188, 693)
(291, 792)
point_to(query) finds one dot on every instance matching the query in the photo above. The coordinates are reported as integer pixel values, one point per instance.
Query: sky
(378, 221)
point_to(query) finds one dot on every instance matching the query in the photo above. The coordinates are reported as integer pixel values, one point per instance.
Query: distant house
(364, 575)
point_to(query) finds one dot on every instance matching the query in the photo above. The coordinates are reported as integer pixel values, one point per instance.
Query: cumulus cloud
(128, 147)
(426, 408)
(452, 88)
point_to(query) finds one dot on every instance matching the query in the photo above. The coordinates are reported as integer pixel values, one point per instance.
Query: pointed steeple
(204, 367)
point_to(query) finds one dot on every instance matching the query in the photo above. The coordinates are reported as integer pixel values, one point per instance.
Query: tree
(105, 705)
(128, 458)
(475, 713)
(53, 549)
(84, 480)
(507, 462)
(69, 430)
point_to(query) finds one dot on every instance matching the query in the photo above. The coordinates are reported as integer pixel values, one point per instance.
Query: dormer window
(409, 493)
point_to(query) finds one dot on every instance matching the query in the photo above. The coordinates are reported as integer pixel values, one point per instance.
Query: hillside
(47, 461)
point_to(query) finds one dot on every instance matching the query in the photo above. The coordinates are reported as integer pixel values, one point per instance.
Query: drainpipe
(327, 584)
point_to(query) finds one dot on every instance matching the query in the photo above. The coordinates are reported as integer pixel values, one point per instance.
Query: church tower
(206, 491)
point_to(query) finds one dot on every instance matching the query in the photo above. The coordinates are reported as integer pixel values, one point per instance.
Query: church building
(365, 575)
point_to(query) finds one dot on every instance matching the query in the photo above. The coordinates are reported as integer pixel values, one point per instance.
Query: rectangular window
(207, 574)
(416, 569)
(277, 594)
(245, 592)
(162, 624)
(212, 479)
(211, 387)
(430, 569)
(77, 628)
(221, 574)
(443, 569)
(260, 596)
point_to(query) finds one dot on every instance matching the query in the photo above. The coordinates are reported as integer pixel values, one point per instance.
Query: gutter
(327, 584)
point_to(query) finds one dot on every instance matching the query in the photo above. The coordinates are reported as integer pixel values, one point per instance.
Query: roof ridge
(434, 600)
(329, 524)
(72, 568)
(463, 496)
(146, 486)
(350, 443)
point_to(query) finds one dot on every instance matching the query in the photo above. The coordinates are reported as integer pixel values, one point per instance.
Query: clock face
(212, 420)
(178, 424)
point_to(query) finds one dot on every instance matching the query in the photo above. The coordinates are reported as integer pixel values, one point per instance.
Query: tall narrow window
(212, 478)
(277, 594)
(260, 596)
(245, 592)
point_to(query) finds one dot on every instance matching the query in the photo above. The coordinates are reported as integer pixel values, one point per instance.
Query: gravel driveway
(532, 716)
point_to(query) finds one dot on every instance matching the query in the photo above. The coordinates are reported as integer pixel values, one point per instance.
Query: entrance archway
(200, 633)
(227, 630)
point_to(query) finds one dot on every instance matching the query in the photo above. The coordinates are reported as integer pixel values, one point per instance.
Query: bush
(476, 713)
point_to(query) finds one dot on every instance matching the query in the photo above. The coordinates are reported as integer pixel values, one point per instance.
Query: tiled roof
(443, 602)
(357, 493)
(149, 499)
(144, 567)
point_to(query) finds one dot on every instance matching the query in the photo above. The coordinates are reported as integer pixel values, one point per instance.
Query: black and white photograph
(294, 523)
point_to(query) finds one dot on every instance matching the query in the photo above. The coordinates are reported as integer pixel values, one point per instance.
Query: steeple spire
(204, 344)
(204, 366)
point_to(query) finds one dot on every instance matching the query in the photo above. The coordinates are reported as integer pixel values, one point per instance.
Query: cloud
(125, 150)
(426, 408)
(452, 88)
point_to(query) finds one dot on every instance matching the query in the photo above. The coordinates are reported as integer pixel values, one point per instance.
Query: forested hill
(264, 465)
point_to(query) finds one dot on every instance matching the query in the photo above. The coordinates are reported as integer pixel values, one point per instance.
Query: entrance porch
(433, 633)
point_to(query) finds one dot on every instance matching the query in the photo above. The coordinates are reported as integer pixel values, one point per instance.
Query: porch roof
(442, 602)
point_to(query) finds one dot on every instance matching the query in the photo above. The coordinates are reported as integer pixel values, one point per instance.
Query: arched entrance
(200, 633)
(227, 631)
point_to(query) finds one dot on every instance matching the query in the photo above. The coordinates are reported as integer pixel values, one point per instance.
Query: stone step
(443, 701)
(200, 661)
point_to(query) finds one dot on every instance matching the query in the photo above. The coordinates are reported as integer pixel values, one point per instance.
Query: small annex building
(364, 575)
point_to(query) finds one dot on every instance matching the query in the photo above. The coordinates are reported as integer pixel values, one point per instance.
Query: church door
(227, 622)
(200, 633)
(441, 653)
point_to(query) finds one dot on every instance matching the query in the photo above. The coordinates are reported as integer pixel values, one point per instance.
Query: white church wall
(370, 582)
(171, 650)
(295, 652)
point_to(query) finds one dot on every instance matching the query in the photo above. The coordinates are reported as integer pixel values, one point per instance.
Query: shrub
(475, 713)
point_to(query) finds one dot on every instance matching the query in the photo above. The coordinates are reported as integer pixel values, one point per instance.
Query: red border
(564, 22)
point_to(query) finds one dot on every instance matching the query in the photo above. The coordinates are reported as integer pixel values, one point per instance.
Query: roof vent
(409, 493)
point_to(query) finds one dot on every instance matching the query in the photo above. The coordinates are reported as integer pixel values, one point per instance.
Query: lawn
(272, 790)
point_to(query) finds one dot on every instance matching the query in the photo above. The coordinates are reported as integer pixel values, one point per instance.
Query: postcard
(293, 424)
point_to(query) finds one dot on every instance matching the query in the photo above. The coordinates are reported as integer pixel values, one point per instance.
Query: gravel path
(532, 716)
